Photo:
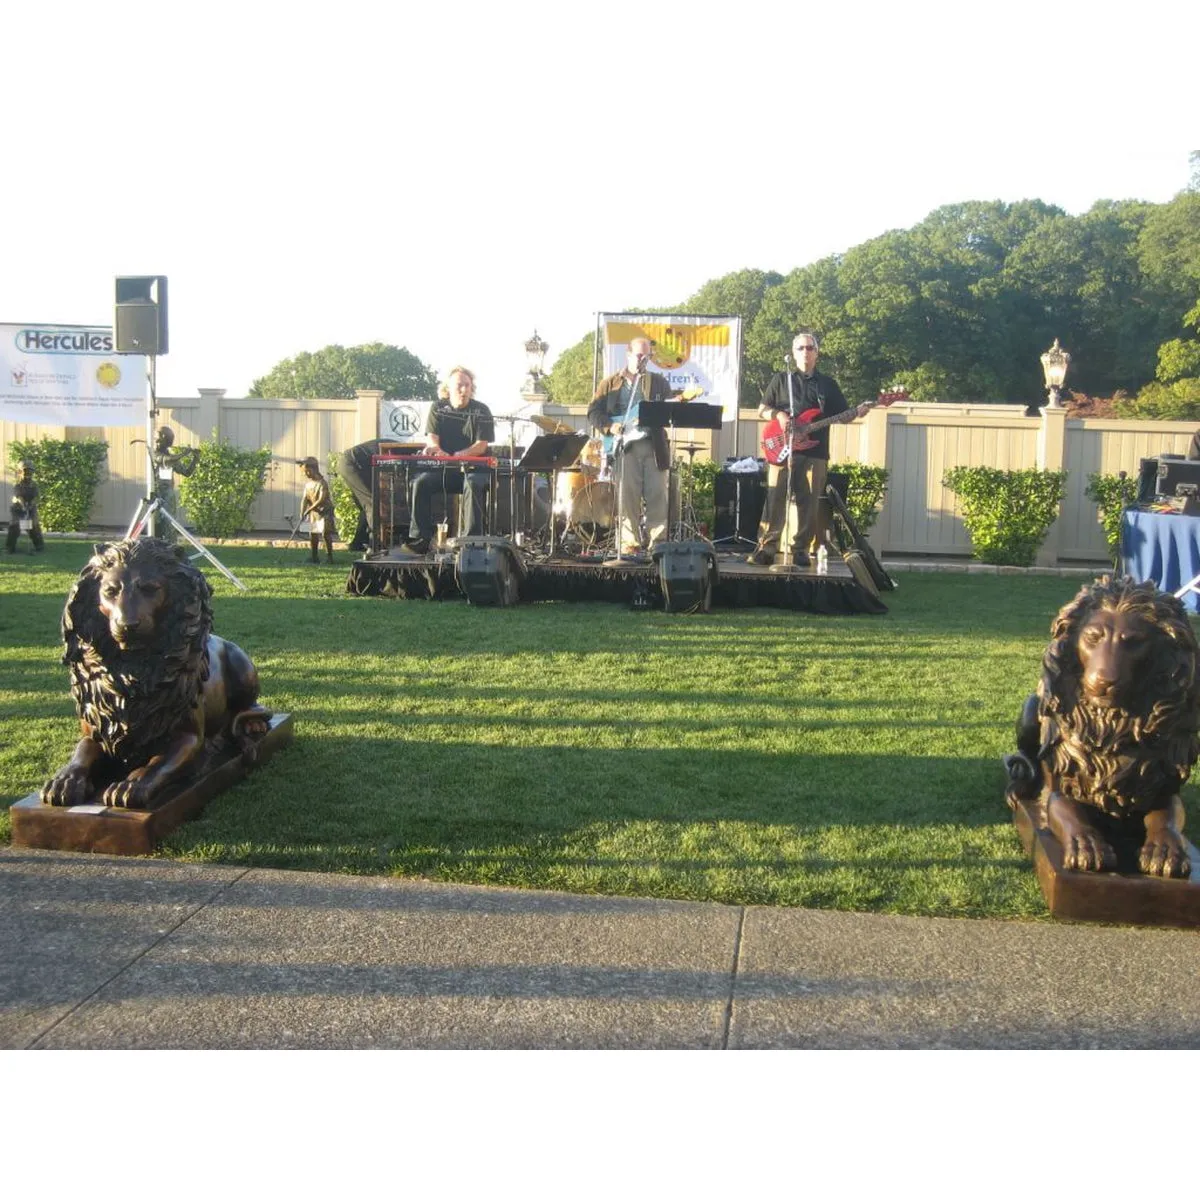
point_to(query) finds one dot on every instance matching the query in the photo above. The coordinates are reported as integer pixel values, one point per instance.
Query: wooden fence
(917, 443)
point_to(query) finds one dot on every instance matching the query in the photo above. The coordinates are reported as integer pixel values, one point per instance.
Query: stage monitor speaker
(489, 571)
(140, 318)
(685, 573)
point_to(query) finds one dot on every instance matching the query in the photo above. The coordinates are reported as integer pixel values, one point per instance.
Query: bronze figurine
(1111, 735)
(316, 507)
(153, 687)
(24, 510)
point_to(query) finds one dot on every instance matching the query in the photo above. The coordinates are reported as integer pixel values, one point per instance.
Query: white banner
(403, 420)
(69, 375)
(692, 352)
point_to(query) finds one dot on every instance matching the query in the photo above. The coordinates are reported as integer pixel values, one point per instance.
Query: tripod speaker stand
(150, 509)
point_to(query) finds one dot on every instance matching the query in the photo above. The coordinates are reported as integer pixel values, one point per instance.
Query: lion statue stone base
(1111, 735)
(156, 692)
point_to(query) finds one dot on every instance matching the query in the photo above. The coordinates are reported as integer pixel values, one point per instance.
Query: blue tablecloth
(1163, 548)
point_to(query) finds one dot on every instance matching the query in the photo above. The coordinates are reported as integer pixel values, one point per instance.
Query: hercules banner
(69, 375)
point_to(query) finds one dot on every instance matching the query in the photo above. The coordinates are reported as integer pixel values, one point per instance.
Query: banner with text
(692, 352)
(69, 375)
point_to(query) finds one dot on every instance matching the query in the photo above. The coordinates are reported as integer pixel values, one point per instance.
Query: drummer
(643, 458)
(458, 426)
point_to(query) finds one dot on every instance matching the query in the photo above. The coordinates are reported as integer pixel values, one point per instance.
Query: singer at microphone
(643, 457)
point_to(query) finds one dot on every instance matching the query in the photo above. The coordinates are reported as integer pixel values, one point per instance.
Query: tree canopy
(961, 306)
(339, 371)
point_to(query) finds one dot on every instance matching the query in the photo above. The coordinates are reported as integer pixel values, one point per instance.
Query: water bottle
(822, 560)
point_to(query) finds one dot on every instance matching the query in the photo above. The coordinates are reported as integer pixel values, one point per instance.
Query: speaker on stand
(140, 327)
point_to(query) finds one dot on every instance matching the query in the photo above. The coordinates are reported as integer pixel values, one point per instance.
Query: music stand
(552, 452)
(678, 414)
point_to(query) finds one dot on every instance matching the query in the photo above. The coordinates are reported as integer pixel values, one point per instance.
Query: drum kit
(585, 505)
(585, 497)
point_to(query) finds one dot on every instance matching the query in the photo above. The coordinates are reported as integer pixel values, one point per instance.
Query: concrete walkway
(144, 953)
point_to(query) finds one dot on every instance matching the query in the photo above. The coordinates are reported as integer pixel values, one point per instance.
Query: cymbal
(549, 424)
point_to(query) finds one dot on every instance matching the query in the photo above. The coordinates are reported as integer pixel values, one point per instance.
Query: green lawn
(755, 756)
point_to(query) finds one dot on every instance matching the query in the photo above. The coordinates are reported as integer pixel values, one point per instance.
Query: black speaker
(1147, 487)
(489, 571)
(685, 573)
(140, 320)
(738, 499)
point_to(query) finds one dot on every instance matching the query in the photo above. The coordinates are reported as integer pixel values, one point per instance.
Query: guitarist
(642, 455)
(797, 484)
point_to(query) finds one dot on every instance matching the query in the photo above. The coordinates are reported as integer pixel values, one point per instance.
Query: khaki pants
(640, 479)
(791, 519)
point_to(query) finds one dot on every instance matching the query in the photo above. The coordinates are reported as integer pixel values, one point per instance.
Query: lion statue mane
(1112, 734)
(155, 690)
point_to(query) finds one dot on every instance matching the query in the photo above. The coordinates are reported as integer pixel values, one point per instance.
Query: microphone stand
(790, 504)
(619, 451)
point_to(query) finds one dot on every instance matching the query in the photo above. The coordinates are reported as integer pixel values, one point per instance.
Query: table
(1163, 548)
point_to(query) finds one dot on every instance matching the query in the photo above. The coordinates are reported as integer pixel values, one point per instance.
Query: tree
(339, 371)
(738, 294)
(570, 380)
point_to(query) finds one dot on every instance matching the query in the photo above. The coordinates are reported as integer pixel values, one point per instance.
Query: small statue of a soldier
(23, 511)
(168, 463)
(316, 507)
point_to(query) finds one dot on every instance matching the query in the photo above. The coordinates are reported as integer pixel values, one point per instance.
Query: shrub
(219, 494)
(1007, 513)
(1176, 401)
(1113, 494)
(345, 507)
(67, 474)
(865, 492)
(701, 476)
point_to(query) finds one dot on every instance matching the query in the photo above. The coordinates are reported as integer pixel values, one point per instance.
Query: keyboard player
(459, 426)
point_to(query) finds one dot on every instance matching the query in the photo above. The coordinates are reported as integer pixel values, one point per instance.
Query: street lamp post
(535, 356)
(1054, 366)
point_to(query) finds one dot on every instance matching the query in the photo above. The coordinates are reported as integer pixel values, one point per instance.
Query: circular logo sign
(108, 374)
(673, 349)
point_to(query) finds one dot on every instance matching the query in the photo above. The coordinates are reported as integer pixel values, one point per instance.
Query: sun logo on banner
(108, 374)
(672, 348)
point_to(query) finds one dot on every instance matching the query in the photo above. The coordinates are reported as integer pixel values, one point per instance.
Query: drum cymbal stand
(687, 508)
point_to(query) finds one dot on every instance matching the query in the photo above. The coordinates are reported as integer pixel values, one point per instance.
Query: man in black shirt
(459, 426)
(795, 486)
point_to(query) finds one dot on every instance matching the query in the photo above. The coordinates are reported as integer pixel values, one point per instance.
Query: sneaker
(761, 558)
(801, 559)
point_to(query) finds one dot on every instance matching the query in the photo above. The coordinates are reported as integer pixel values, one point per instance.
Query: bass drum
(594, 507)
(570, 484)
(591, 460)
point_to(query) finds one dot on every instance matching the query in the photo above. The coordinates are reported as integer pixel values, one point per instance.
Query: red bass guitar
(783, 438)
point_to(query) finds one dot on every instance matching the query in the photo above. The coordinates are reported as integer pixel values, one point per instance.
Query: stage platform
(736, 584)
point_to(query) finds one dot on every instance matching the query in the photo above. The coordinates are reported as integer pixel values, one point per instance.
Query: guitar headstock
(690, 394)
(888, 398)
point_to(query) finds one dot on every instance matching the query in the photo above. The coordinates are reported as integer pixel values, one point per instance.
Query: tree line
(961, 306)
(958, 308)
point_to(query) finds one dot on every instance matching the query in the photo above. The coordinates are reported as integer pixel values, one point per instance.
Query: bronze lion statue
(155, 690)
(1111, 735)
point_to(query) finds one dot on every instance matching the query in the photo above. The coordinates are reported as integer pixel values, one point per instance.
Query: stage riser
(833, 595)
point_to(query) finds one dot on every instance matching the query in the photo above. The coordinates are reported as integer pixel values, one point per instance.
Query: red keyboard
(438, 460)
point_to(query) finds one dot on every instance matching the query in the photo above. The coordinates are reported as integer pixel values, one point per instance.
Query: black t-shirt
(814, 391)
(458, 428)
